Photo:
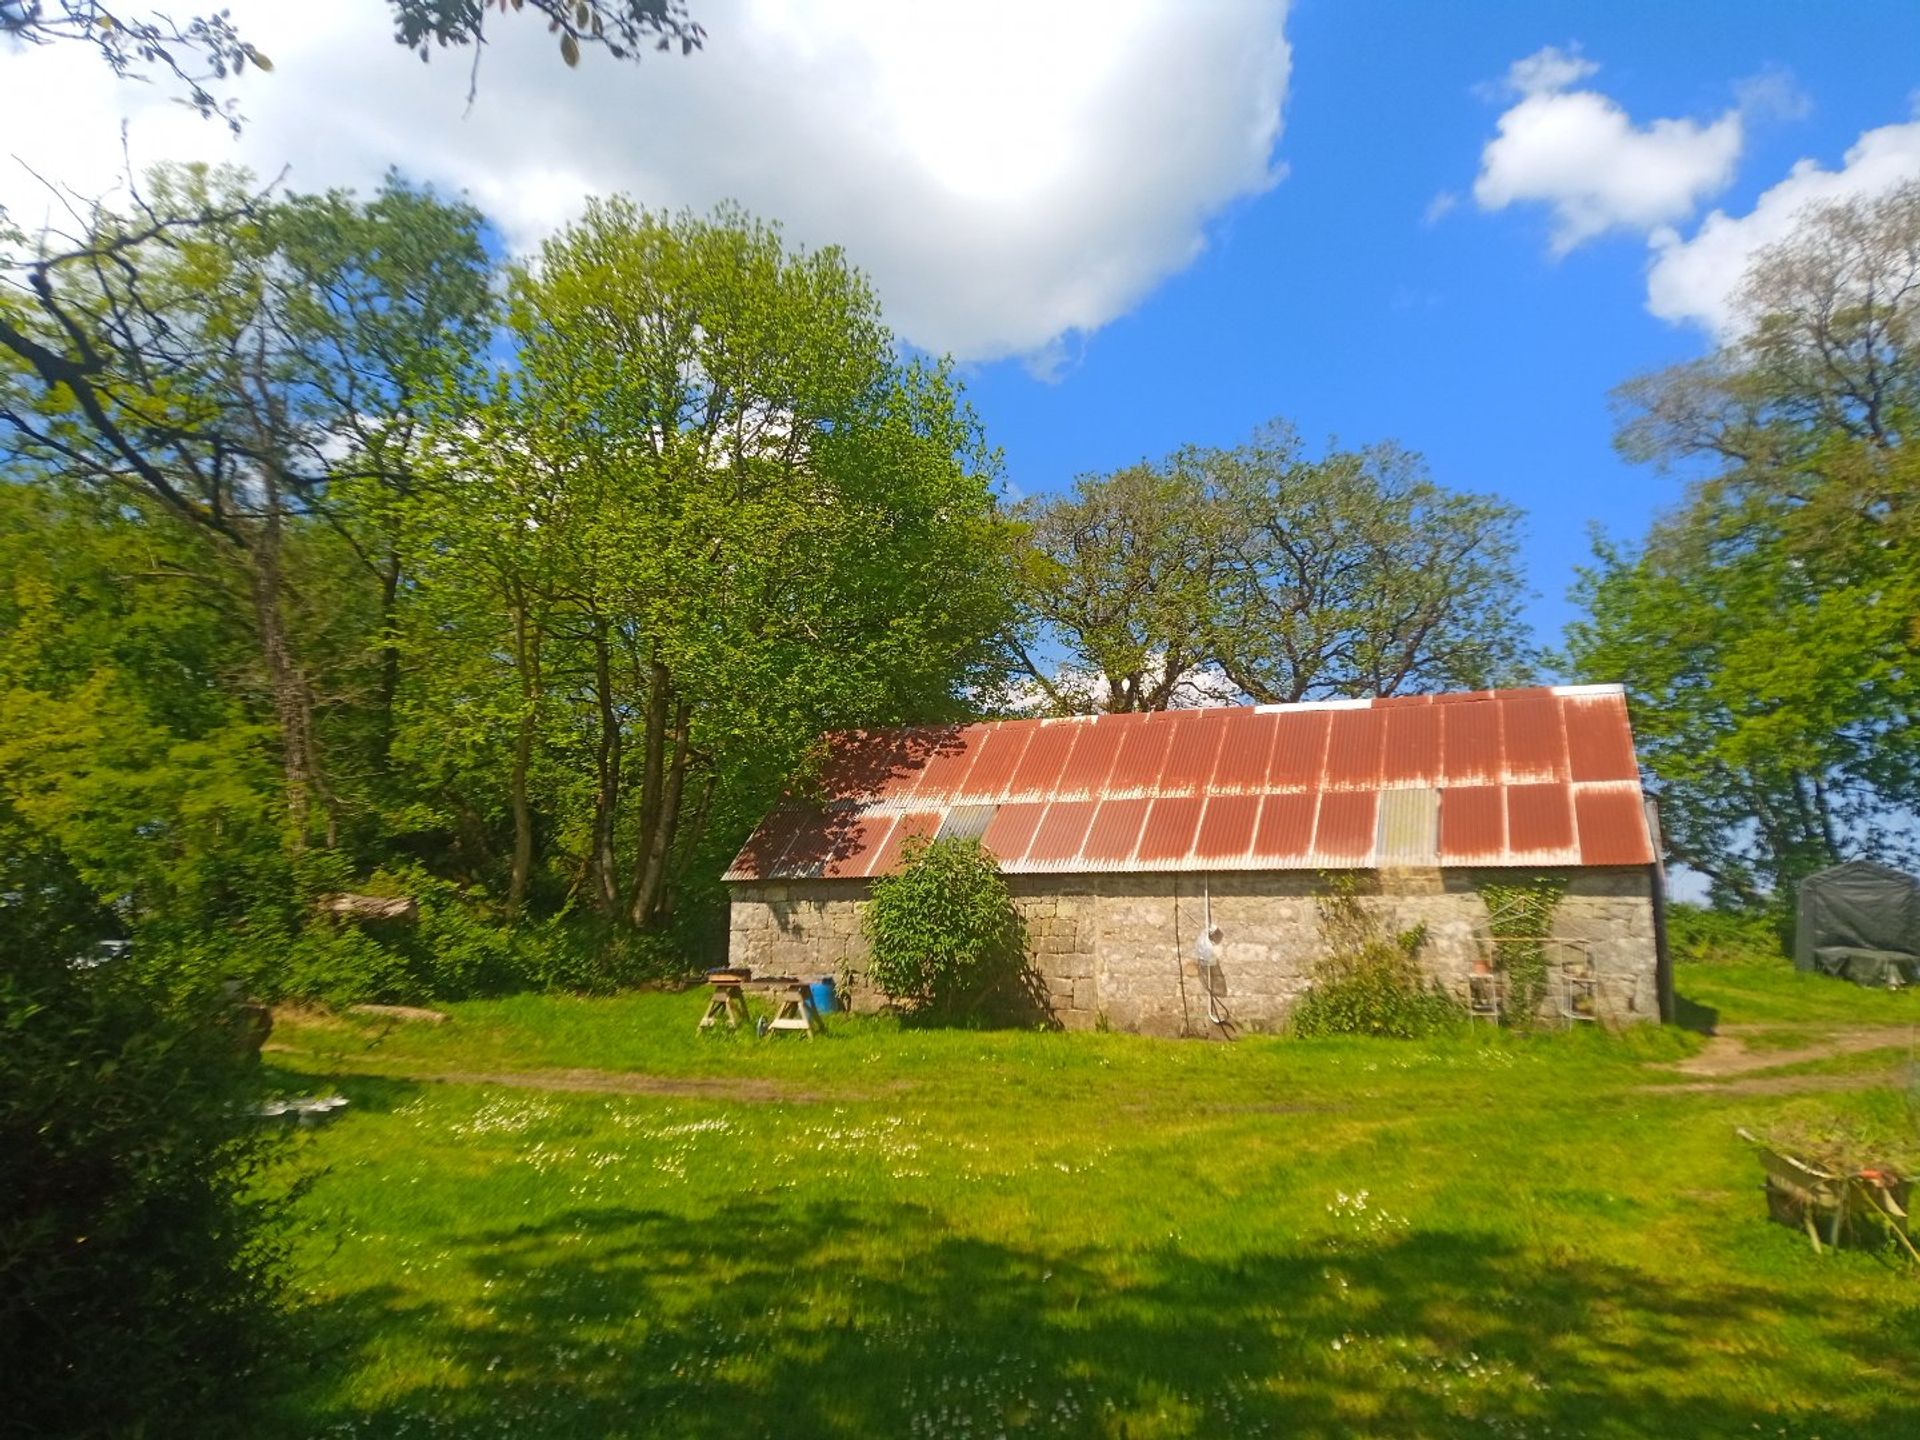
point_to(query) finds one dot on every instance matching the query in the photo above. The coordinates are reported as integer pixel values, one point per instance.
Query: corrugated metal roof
(1507, 777)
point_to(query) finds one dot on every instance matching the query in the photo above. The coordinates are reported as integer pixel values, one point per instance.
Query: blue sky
(1141, 223)
(1328, 300)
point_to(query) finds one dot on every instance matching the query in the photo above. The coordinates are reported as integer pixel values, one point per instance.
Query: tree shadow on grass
(861, 1319)
(1692, 1015)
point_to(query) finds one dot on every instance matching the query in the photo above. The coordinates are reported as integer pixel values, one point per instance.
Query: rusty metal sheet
(998, 756)
(1533, 740)
(1283, 838)
(944, 767)
(1171, 825)
(1344, 833)
(1143, 755)
(1038, 773)
(1354, 739)
(1612, 821)
(1599, 741)
(1011, 831)
(1473, 824)
(1470, 743)
(1226, 829)
(915, 823)
(1520, 777)
(1410, 751)
(1299, 750)
(1246, 741)
(1114, 833)
(1091, 762)
(1063, 829)
(1193, 752)
(1539, 820)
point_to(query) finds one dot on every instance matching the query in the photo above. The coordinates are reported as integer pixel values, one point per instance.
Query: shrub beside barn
(1124, 837)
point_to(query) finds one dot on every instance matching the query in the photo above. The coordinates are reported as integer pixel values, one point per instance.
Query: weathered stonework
(1117, 949)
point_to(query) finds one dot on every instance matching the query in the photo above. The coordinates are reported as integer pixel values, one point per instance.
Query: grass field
(604, 1225)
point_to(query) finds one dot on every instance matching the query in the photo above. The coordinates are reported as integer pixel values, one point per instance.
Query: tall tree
(237, 372)
(708, 515)
(1767, 627)
(1263, 571)
(1356, 575)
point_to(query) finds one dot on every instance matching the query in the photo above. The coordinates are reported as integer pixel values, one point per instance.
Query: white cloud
(1010, 175)
(1696, 279)
(1439, 208)
(1579, 153)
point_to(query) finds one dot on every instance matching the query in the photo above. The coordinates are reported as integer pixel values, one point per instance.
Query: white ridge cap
(1314, 705)
(1575, 692)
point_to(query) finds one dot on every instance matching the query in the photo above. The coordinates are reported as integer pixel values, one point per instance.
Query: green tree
(255, 377)
(1766, 628)
(1265, 571)
(708, 515)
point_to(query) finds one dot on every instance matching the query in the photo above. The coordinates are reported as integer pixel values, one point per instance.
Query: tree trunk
(603, 866)
(522, 762)
(292, 700)
(652, 783)
(656, 843)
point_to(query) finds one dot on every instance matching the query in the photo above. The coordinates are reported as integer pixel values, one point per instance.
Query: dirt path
(596, 1082)
(1726, 1052)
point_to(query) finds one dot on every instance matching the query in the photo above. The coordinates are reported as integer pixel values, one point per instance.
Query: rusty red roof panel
(1010, 831)
(1514, 777)
(1353, 749)
(1038, 773)
(1345, 830)
(1245, 743)
(860, 843)
(1473, 824)
(1599, 741)
(1533, 738)
(1470, 743)
(1170, 829)
(1613, 825)
(946, 763)
(1299, 750)
(1410, 753)
(1195, 748)
(1226, 830)
(1539, 819)
(1115, 833)
(1063, 830)
(760, 858)
(887, 856)
(1284, 836)
(998, 755)
(1143, 754)
(1091, 762)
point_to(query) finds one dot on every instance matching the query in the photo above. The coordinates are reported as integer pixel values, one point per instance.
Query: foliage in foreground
(139, 1261)
(1370, 982)
(947, 942)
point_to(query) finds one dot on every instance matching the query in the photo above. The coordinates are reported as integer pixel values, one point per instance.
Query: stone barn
(1125, 838)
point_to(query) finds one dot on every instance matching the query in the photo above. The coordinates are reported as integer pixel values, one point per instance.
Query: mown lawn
(927, 1234)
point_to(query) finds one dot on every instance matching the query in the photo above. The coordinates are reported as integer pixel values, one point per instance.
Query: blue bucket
(820, 995)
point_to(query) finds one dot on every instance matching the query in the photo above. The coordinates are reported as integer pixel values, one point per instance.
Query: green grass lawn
(964, 1234)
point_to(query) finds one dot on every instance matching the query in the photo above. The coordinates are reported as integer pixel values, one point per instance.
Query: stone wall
(1117, 949)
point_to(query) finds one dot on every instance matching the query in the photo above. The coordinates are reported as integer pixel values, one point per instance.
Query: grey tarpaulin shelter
(1860, 921)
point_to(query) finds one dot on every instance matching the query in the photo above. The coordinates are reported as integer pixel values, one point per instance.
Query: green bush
(1370, 982)
(1697, 935)
(138, 1259)
(947, 942)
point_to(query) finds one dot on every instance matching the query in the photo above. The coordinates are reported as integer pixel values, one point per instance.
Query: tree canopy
(1767, 625)
(1264, 572)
